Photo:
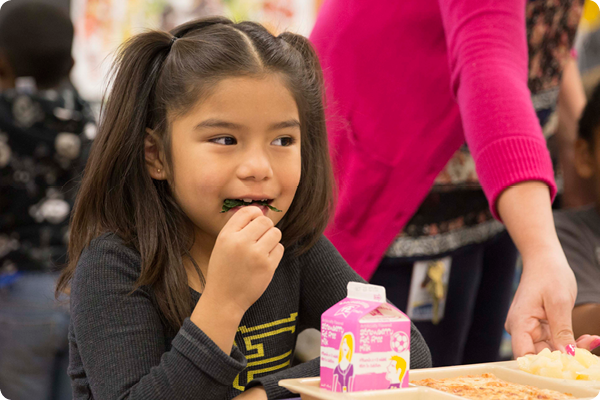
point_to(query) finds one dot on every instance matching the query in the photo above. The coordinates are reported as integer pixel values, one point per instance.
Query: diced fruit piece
(551, 372)
(585, 358)
(524, 364)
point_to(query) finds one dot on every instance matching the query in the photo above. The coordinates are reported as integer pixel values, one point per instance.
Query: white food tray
(513, 365)
(309, 388)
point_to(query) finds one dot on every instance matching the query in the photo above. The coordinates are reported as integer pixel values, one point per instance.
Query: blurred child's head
(35, 41)
(211, 111)
(587, 147)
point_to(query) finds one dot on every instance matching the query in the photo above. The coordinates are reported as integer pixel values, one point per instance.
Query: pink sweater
(407, 82)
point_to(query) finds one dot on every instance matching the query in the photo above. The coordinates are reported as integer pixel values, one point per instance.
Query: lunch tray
(508, 371)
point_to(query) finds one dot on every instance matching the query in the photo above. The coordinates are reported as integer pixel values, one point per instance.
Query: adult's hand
(540, 315)
(588, 342)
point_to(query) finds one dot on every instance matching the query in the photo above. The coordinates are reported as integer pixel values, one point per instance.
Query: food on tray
(487, 386)
(554, 364)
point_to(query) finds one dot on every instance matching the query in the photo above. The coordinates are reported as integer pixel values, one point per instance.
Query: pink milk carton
(365, 342)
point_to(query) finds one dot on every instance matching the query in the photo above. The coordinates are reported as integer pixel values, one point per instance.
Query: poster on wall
(102, 25)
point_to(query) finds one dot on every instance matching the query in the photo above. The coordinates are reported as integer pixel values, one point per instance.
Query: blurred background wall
(101, 25)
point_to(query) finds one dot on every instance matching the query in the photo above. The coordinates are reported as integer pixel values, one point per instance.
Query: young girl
(179, 290)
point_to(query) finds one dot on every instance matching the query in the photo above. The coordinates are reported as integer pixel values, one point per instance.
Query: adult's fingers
(558, 312)
(539, 346)
(588, 342)
(529, 335)
(522, 342)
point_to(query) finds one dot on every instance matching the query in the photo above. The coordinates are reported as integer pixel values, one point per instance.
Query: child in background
(179, 288)
(579, 229)
(45, 128)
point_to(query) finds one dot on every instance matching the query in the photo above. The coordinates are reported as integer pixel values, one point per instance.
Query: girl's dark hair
(155, 77)
(589, 123)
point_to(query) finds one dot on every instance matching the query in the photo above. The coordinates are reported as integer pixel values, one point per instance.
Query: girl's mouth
(265, 204)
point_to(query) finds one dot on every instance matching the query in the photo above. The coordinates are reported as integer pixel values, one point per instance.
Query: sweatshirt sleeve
(121, 341)
(579, 247)
(487, 50)
(324, 280)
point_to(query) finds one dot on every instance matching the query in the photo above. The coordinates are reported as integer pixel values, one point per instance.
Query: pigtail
(117, 194)
(317, 197)
(312, 66)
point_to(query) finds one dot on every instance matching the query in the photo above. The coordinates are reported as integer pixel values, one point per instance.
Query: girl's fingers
(269, 240)
(277, 253)
(242, 218)
(255, 230)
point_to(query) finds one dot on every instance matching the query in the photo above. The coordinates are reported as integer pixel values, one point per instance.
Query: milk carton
(365, 342)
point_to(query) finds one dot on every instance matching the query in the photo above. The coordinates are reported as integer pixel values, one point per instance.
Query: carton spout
(363, 291)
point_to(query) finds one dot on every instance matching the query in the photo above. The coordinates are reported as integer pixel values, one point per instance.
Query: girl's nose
(255, 165)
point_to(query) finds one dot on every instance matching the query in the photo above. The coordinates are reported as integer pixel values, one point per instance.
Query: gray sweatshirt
(121, 347)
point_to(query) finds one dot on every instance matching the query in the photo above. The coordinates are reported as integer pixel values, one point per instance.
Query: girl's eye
(224, 140)
(283, 141)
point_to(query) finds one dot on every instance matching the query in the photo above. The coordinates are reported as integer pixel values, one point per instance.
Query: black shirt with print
(44, 142)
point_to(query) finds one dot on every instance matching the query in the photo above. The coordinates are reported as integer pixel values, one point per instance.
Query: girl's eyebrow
(292, 123)
(217, 123)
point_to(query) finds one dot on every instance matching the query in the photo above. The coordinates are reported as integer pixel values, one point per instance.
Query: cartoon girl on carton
(344, 372)
(396, 371)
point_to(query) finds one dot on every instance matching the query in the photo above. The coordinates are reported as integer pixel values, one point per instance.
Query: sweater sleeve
(324, 280)
(121, 341)
(487, 50)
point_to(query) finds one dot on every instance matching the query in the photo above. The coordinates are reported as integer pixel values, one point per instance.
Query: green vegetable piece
(228, 204)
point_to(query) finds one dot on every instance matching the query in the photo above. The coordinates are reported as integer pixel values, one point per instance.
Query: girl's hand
(245, 256)
(540, 315)
(255, 393)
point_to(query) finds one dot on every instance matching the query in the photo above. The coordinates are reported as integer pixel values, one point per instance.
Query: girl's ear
(154, 156)
(584, 159)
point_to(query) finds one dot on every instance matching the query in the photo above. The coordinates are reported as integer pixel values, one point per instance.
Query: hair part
(36, 40)
(155, 80)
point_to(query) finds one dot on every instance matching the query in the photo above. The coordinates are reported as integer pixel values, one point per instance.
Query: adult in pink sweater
(407, 83)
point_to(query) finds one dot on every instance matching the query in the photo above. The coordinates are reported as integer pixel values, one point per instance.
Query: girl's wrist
(224, 304)
(218, 321)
